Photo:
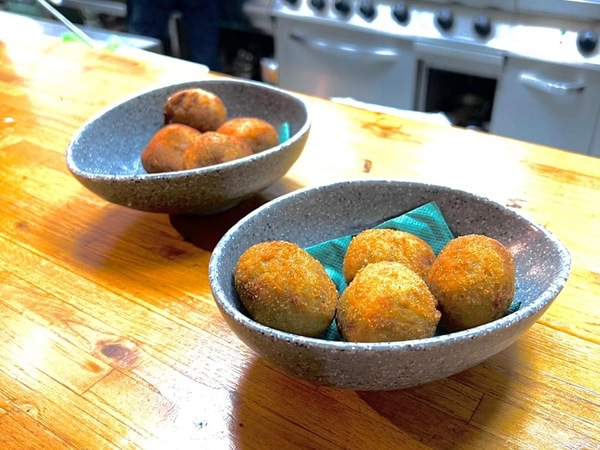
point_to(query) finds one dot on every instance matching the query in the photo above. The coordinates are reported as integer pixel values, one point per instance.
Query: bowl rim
(508, 321)
(216, 168)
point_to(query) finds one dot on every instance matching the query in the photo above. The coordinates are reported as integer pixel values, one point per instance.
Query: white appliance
(339, 62)
(481, 62)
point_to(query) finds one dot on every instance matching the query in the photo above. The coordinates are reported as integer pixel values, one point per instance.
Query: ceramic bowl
(104, 155)
(314, 215)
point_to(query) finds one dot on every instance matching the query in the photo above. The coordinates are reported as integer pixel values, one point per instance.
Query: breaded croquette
(473, 279)
(164, 152)
(259, 134)
(374, 245)
(386, 301)
(282, 286)
(197, 108)
(214, 148)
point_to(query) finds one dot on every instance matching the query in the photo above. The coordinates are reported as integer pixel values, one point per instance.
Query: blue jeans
(200, 19)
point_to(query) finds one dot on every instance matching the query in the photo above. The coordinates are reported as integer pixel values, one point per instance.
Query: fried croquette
(473, 280)
(374, 245)
(197, 108)
(282, 286)
(164, 152)
(214, 148)
(259, 134)
(386, 301)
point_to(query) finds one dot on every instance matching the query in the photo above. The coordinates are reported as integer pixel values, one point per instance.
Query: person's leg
(150, 18)
(201, 21)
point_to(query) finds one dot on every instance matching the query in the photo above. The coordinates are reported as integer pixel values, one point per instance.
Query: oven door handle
(551, 86)
(431, 53)
(374, 53)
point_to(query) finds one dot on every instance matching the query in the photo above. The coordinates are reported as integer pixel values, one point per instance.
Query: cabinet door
(547, 104)
(335, 62)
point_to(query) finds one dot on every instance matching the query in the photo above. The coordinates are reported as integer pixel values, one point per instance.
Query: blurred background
(244, 28)
(526, 69)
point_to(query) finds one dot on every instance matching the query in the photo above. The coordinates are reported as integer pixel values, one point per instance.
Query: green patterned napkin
(425, 221)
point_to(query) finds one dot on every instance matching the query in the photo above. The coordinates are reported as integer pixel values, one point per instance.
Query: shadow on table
(206, 231)
(273, 410)
(116, 233)
(459, 411)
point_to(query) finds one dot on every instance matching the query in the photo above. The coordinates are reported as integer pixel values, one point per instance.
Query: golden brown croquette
(197, 108)
(282, 286)
(374, 245)
(164, 152)
(214, 148)
(386, 301)
(259, 134)
(473, 280)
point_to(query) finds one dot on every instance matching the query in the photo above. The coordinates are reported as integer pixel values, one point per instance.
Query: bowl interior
(111, 143)
(311, 216)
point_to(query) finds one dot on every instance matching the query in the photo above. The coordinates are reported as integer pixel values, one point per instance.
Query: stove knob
(482, 25)
(587, 41)
(342, 6)
(367, 9)
(400, 12)
(445, 19)
(318, 4)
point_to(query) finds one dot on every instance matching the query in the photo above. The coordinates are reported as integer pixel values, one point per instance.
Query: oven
(395, 53)
(459, 82)
(467, 59)
(361, 65)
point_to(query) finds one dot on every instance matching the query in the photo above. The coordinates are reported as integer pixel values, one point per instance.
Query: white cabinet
(548, 104)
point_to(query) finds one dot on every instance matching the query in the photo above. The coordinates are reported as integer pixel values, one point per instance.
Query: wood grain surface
(110, 338)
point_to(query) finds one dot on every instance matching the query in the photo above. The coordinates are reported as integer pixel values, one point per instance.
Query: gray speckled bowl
(314, 215)
(104, 155)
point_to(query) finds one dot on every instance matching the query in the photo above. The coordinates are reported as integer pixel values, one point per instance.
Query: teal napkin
(284, 132)
(426, 221)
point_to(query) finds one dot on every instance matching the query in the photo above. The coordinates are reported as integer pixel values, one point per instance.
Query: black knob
(292, 2)
(342, 6)
(445, 19)
(367, 9)
(587, 41)
(400, 12)
(318, 4)
(482, 25)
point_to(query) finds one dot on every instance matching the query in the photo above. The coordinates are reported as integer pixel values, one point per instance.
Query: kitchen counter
(29, 27)
(110, 338)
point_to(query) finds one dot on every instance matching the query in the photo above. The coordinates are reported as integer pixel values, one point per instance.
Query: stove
(558, 30)
(528, 69)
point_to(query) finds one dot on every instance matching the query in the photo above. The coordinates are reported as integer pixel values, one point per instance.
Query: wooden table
(109, 336)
